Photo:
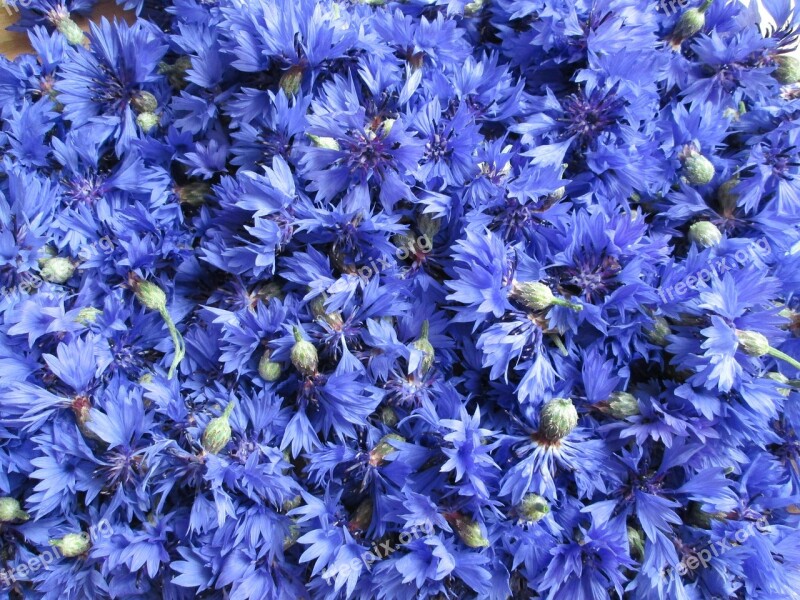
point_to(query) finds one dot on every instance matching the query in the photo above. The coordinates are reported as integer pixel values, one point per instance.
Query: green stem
(177, 341)
(559, 344)
(425, 328)
(228, 409)
(567, 304)
(704, 7)
(785, 357)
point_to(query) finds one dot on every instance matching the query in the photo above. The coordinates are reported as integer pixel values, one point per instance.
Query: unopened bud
(327, 143)
(292, 504)
(218, 431)
(690, 24)
(533, 508)
(384, 448)
(705, 234)
(784, 390)
(753, 343)
(362, 518)
(176, 73)
(292, 537)
(70, 30)
(468, 530)
(57, 270)
(388, 416)
(473, 7)
(636, 543)
(333, 319)
(147, 121)
(72, 544)
(291, 80)
(304, 355)
(87, 316)
(144, 102)
(697, 169)
(11, 511)
(538, 296)
(558, 418)
(622, 405)
(659, 331)
(726, 197)
(424, 345)
(149, 294)
(194, 193)
(788, 71)
(268, 370)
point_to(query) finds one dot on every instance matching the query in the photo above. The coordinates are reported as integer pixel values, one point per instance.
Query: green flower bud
(384, 448)
(304, 355)
(700, 518)
(473, 7)
(291, 80)
(622, 405)
(268, 291)
(726, 197)
(753, 343)
(267, 369)
(73, 544)
(218, 431)
(659, 332)
(144, 102)
(690, 24)
(533, 508)
(538, 296)
(176, 73)
(149, 294)
(468, 530)
(362, 518)
(387, 416)
(784, 390)
(154, 298)
(294, 534)
(423, 345)
(558, 418)
(292, 504)
(557, 195)
(428, 226)
(328, 143)
(333, 319)
(788, 71)
(636, 543)
(11, 511)
(705, 234)
(697, 169)
(57, 270)
(87, 316)
(387, 125)
(70, 30)
(147, 121)
(194, 193)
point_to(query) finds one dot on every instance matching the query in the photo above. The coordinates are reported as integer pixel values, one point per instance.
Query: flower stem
(177, 341)
(785, 357)
(567, 304)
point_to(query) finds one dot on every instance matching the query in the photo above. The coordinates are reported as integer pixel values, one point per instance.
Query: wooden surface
(13, 43)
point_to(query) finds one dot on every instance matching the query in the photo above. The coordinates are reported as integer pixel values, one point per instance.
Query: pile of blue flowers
(401, 299)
